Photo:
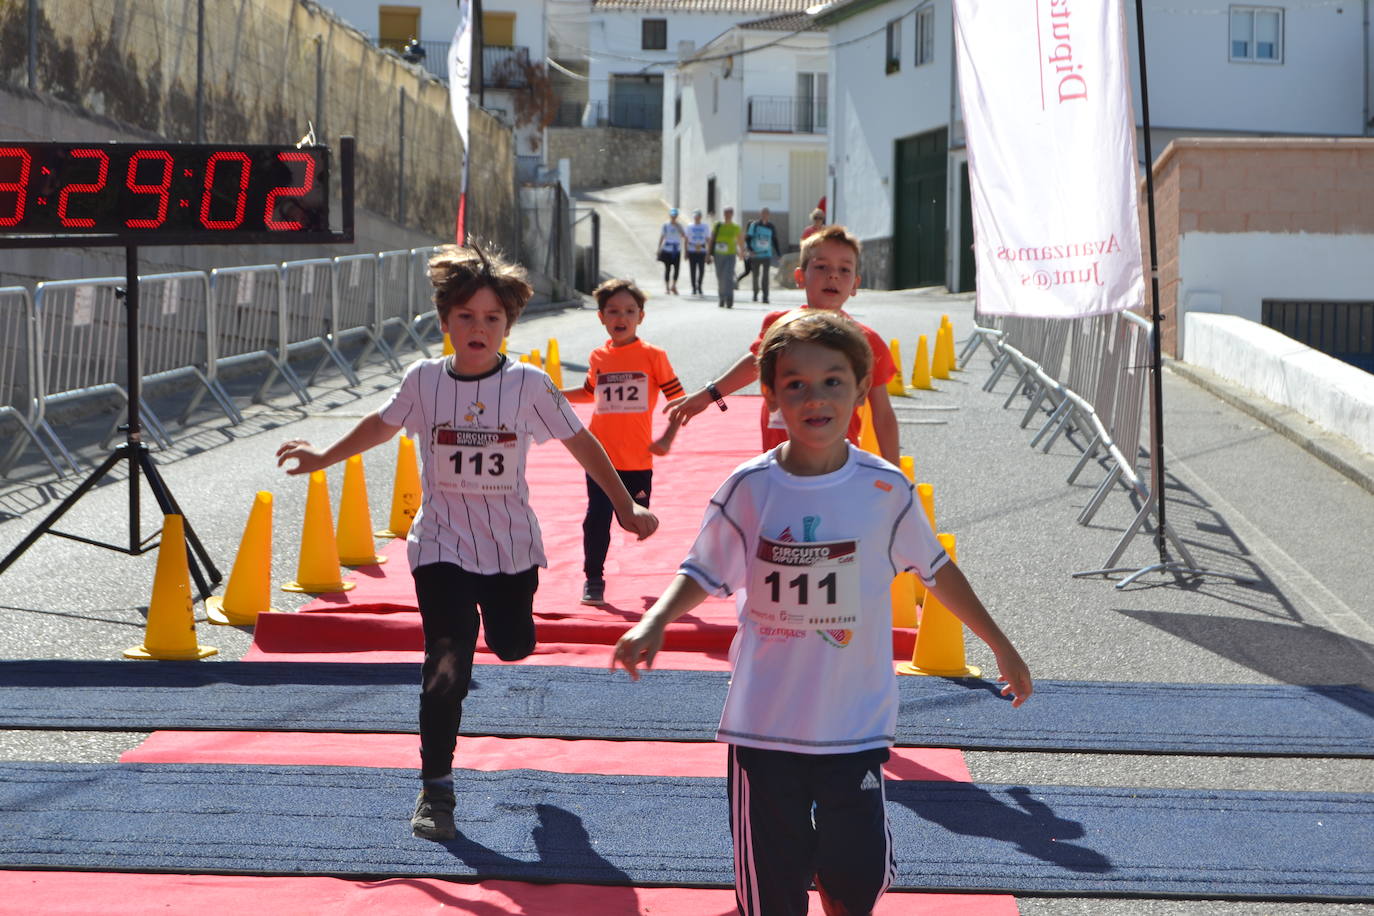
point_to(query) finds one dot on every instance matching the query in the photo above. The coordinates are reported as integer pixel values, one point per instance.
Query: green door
(918, 242)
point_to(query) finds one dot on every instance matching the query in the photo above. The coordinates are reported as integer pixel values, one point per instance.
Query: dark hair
(831, 233)
(829, 329)
(606, 290)
(459, 271)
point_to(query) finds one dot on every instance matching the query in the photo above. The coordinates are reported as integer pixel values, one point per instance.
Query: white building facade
(1215, 68)
(746, 121)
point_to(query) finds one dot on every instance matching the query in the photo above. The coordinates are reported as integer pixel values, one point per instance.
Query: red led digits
(300, 190)
(242, 196)
(93, 188)
(160, 189)
(18, 188)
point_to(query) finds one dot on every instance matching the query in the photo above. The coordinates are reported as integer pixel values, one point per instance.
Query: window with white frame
(925, 35)
(1257, 34)
(894, 46)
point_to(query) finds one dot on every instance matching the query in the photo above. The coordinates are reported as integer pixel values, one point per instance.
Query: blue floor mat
(566, 702)
(537, 826)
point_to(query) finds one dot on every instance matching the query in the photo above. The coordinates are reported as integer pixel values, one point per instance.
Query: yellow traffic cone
(502, 349)
(926, 493)
(554, 367)
(904, 600)
(448, 345)
(534, 359)
(939, 360)
(405, 491)
(249, 590)
(868, 436)
(895, 386)
(951, 358)
(918, 588)
(317, 569)
(920, 370)
(171, 629)
(940, 638)
(354, 535)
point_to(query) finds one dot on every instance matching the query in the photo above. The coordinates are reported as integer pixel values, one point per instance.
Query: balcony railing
(631, 113)
(502, 67)
(784, 114)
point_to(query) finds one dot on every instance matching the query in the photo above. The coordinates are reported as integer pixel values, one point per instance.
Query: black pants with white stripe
(450, 600)
(798, 818)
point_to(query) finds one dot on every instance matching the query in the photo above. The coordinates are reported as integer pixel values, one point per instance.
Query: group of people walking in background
(721, 243)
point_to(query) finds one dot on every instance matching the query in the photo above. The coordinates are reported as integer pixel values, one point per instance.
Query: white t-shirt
(672, 236)
(698, 235)
(810, 561)
(472, 434)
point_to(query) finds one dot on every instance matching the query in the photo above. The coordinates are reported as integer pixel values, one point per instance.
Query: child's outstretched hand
(641, 522)
(307, 459)
(639, 644)
(683, 409)
(1013, 672)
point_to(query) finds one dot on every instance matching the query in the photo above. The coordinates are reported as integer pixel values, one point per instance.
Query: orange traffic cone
(354, 534)
(171, 629)
(249, 591)
(868, 436)
(940, 638)
(895, 386)
(405, 491)
(554, 367)
(939, 360)
(317, 569)
(920, 370)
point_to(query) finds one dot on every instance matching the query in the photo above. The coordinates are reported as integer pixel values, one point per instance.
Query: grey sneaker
(594, 591)
(433, 817)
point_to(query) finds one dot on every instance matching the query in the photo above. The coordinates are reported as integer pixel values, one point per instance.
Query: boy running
(474, 547)
(808, 537)
(624, 377)
(829, 272)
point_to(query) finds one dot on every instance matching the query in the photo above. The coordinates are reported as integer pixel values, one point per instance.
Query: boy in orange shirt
(624, 378)
(829, 272)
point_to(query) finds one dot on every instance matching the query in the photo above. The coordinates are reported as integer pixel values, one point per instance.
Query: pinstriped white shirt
(473, 434)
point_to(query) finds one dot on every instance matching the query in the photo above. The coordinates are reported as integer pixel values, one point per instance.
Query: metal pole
(1156, 352)
(134, 387)
(200, 71)
(33, 45)
(401, 165)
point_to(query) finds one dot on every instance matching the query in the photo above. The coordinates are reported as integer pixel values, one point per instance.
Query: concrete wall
(1330, 393)
(605, 156)
(1239, 220)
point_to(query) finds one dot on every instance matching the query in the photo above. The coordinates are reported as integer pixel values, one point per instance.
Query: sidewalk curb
(1337, 451)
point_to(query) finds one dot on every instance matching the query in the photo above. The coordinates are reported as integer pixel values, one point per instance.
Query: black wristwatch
(719, 398)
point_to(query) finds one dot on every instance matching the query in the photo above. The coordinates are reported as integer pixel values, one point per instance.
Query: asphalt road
(1244, 498)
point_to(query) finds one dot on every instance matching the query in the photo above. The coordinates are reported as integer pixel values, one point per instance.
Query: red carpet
(113, 894)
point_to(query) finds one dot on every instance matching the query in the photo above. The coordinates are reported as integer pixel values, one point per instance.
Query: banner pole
(1156, 351)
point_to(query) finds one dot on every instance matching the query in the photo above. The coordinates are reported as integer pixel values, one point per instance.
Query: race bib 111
(812, 584)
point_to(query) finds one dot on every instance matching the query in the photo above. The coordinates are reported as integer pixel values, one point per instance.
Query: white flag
(1052, 156)
(459, 77)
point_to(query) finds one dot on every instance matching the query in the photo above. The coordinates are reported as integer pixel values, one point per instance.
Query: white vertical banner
(459, 77)
(1052, 156)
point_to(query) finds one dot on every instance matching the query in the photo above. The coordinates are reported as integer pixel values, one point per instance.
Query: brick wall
(1238, 185)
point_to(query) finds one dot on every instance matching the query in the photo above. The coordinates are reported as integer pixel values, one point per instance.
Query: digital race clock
(136, 193)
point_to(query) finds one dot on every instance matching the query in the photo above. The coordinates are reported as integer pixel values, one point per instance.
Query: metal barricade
(82, 328)
(176, 334)
(1123, 441)
(355, 283)
(1085, 361)
(310, 307)
(396, 285)
(249, 322)
(425, 320)
(21, 384)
